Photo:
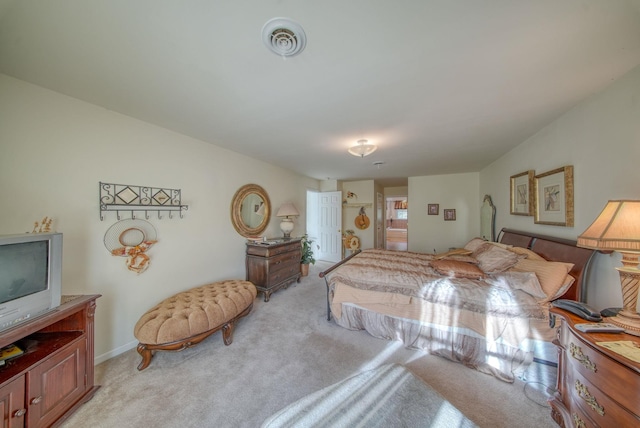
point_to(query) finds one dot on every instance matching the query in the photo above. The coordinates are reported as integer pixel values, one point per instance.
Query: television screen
(24, 268)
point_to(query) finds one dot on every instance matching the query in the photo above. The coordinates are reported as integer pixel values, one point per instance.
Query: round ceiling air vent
(284, 37)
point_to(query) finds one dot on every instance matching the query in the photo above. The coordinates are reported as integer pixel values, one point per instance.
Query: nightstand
(274, 264)
(596, 387)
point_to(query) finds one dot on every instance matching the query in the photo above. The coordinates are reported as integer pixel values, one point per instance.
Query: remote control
(602, 327)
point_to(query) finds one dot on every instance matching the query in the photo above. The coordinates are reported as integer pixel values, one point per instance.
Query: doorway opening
(396, 223)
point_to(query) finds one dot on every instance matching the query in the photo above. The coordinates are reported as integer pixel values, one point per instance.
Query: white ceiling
(440, 86)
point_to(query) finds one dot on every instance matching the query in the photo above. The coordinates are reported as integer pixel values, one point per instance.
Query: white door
(330, 228)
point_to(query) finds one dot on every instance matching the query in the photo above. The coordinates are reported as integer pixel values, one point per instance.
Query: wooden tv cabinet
(54, 375)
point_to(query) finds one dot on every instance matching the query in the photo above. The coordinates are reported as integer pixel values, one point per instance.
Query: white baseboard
(114, 352)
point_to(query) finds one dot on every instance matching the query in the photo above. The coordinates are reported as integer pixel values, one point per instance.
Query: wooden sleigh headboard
(555, 249)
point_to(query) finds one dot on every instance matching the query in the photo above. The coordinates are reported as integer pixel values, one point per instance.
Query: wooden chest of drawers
(274, 266)
(596, 387)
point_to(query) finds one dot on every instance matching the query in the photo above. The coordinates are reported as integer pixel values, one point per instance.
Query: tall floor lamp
(617, 228)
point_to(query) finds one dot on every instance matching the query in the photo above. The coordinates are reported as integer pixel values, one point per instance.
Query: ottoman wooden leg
(146, 356)
(227, 329)
(227, 333)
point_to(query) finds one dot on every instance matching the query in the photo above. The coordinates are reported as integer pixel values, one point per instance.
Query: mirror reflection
(488, 219)
(250, 210)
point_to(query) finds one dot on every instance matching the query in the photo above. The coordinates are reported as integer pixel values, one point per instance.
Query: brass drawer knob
(576, 352)
(583, 393)
(577, 422)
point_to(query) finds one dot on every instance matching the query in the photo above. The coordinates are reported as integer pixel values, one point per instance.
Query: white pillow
(514, 280)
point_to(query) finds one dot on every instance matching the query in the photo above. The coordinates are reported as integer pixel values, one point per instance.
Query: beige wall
(366, 194)
(396, 191)
(427, 233)
(53, 152)
(601, 139)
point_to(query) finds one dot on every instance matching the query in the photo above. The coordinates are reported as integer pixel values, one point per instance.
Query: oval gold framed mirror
(250, 210)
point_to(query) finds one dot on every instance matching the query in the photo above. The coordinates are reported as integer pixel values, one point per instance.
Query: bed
(484, 305)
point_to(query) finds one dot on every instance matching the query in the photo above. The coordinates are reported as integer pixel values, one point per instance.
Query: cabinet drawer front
(292, 248)
(283, 274)
(270, 251)
(614, 378)
(596, 404)
(284, 261)
(578, 418)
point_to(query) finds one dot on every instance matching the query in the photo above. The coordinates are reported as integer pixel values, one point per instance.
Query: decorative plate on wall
(362, 221)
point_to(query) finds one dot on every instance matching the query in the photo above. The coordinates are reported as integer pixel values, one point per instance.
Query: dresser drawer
(615, 379)
(282, 274)
(284, 261)
(273, 250)
(579, 418)
(597, 405)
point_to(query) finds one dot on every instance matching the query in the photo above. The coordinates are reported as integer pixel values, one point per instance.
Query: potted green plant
(306, 257)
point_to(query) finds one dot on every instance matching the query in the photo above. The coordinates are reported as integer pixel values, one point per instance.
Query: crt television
(30, 276)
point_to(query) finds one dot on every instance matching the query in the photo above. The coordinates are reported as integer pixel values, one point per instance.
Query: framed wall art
(449, 215)
(522, 196)
(433, 209)
(554, 197)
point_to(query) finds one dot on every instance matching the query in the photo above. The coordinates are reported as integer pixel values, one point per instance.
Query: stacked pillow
(494, 257)
(531, 255)
(457, 269)
(553, 276)
(476, 260)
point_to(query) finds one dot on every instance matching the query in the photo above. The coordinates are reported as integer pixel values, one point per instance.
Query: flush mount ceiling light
(363, 148)
(284, 37)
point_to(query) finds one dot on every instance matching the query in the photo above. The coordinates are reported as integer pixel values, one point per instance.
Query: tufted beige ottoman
(186, 319)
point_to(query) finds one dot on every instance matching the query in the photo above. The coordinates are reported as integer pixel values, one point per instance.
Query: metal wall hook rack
(128, 198)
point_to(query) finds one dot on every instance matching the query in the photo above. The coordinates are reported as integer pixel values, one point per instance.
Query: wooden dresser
(596, 387)
(273, 266)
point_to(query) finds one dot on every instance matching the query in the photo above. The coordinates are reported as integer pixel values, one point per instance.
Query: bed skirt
(461, 345)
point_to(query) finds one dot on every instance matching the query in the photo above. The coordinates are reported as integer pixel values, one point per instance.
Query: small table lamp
(286, 211)
(617, 228)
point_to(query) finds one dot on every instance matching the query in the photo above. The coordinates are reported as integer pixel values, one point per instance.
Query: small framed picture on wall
(449, 215)
(522, 194)
(433, 209)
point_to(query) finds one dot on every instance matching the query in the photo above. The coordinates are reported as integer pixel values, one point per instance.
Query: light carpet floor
(284, 350)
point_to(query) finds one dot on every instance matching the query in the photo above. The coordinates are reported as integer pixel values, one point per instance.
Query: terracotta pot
(304, 269)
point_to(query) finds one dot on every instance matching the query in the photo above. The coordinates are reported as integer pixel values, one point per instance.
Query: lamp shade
(617, 228)
(287, 210)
